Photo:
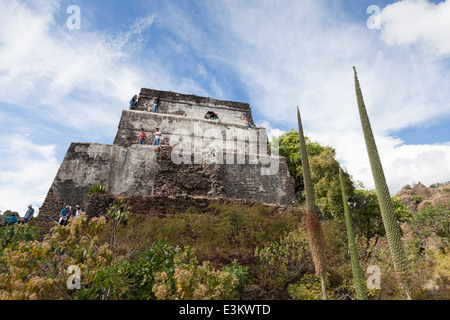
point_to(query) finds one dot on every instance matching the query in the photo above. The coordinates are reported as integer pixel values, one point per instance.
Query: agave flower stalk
(313, 225)
(358, 276)
(393, 231)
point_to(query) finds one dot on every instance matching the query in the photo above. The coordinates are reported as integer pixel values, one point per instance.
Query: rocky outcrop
(417, 197)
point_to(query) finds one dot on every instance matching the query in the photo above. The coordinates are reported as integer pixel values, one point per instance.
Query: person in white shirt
(157, 136)
(78, 211)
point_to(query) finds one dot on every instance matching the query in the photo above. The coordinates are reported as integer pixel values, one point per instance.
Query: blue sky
(59, 85)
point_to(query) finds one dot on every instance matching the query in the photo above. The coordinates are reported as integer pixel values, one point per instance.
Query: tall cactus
(313, 226)
(393, 231)
(360, 286)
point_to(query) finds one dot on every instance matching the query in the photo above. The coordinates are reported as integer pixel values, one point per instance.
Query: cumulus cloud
(402, 164)
(27, 172)
(57, 73)
(418, 22)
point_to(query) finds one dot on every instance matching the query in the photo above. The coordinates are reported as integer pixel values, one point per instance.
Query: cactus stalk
(358, 277)
(313, 225)
(393, 231)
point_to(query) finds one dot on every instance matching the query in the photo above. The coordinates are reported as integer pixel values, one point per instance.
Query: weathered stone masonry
(146, 171)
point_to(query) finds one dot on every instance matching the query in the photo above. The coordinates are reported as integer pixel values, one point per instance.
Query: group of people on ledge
(142, 137)
(67, 212)
(13, 218)
(210, 115)
(135, 100)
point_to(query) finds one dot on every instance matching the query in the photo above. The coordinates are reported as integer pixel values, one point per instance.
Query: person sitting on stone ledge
(78, 211)
(208, 115)
(245, 121)
(212, 115)
(142, 137)
(133, 102)
(11, 220)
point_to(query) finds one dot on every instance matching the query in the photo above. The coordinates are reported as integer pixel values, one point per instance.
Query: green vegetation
(353, 249)
(433, 223)
(232, 252)
(96, 188)
(313, 225)
(393, 231)
(324, 170)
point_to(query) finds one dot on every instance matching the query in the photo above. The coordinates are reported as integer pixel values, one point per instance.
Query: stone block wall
(242, 181)
(174, 128)
(193, 106)
(226, 163)
(163, 206)
(121, 170)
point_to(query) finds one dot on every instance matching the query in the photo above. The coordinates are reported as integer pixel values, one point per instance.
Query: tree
(324, 170)
(393, 231)
(368, 221)
(433, 222)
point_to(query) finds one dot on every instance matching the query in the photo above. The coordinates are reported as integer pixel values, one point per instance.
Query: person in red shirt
(142, 138)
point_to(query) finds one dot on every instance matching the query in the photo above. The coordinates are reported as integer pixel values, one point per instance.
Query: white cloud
(271, 132)
(402, 164)
(57, 73)
(79, 80)
(27, 171)
(420, 22)
(410, 164)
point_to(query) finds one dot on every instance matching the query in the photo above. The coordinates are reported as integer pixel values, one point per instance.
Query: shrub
(96, 188)
(283, 261)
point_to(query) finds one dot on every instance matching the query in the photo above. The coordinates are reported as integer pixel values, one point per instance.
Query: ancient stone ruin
(197, 158)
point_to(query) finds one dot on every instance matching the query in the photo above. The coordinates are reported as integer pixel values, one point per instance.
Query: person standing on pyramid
(142, 137)
(155, 104)
(157, 136)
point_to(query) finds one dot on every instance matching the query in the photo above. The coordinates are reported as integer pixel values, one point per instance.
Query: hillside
(417, 197)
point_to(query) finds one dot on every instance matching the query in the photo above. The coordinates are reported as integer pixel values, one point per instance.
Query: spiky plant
(313, 225)
(358, 276)
(393, 231)
(96, 188)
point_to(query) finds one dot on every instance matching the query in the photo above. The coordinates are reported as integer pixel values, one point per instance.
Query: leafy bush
(37, 269)
(433, 223)
(283, 261)
(164, 273)
(308, 288)
(96, 188)
(192, 281)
